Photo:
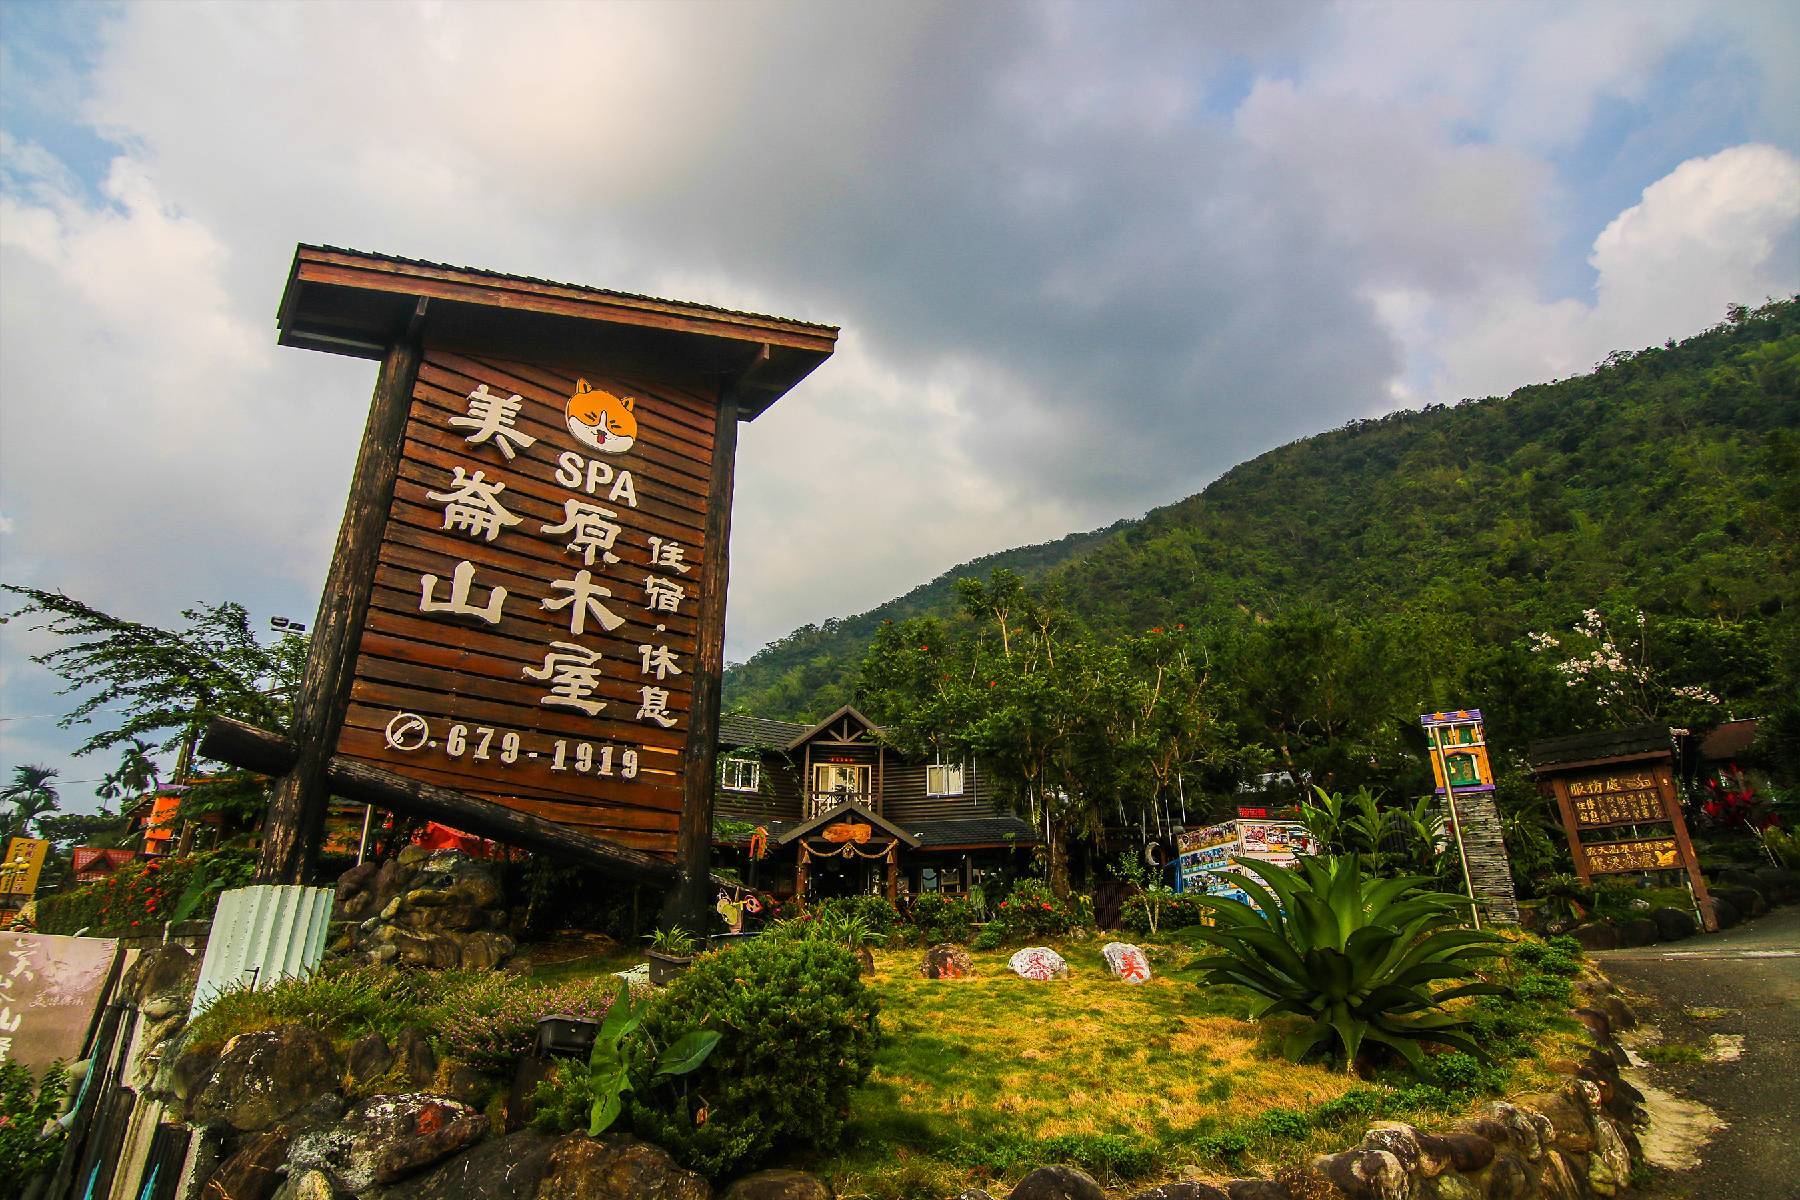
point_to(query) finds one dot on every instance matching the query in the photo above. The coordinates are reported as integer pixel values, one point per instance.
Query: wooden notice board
(1620, 812)
(527, 602)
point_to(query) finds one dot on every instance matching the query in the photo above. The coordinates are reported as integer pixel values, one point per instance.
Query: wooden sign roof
(357, 303)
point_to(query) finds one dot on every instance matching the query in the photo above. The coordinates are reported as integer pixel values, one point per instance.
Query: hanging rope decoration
(847, 850)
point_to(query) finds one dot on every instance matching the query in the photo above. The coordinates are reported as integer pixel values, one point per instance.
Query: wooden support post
(893, 872)
(296, 819)
(688, 902)
(800, 878)
(1566, 807)
(1665, 787)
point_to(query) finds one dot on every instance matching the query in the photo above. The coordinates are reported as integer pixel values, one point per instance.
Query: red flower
(1003, 904)
(1046, 908)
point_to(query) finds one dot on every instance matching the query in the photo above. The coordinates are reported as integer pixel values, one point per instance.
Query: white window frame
(939, 769)
(731, 777)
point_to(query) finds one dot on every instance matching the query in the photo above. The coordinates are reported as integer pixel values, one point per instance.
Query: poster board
(20, 870)
(49, 988)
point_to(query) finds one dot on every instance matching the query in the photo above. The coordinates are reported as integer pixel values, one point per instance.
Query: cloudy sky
(1085, 256)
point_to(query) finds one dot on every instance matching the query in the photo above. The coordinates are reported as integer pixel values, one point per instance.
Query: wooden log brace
(259, 750)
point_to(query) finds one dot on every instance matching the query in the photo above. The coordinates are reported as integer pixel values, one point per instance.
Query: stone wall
(437, 909)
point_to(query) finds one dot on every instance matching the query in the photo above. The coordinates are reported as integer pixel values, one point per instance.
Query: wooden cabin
(841, 813)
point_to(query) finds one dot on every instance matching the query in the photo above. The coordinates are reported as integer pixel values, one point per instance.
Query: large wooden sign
(527, 602)
(1615, 792)
(531, 636)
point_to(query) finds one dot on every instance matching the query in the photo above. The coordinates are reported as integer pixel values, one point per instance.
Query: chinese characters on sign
(1650, 854)
(532, 630)
(1627, 798)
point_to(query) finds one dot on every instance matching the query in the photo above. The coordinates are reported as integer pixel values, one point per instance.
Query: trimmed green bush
(140, 896)
(936, 918)
(799, 1032)
(1174, 912)
(1033, 911)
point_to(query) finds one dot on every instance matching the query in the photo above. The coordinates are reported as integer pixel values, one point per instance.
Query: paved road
(1710, 992)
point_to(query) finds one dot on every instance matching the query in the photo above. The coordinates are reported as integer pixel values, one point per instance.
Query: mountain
(1669, 477)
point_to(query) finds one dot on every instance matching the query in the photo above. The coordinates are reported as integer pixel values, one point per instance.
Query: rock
(947, 961)
(1674, 924)
(1469, 1152)
(1126, 961)
(417, 1058)
(471, 1086)
(429, 949)
(1040, 963)
(1597, 935)
(506, 1168)
(1367, 1174)
(581, 1168)
(308, 1185)
(1609, 1166)
(1450, 1186)
(1726, 913)
(1057, 1183)
(521, 1105)
(369, 1058)
(1509, 1178)
(1257, 1189)
(486, 950)
(388, 1138)
(1569, 1128)
(190, 1070)
(169, 972)
(412, 855)
(1638, 931)
(253, 1173)
(1187, 1189)
(777, 1185)
(1401, 1141)
(266, 1077)
(1527, 1130)
(973, 1194)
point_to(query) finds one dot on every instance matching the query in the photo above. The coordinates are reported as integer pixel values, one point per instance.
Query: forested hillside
(1667, 479)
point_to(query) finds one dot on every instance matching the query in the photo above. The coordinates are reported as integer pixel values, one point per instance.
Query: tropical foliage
(1355, 954)
(1334, 588)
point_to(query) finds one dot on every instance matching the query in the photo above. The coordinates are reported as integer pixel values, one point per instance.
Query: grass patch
(1674, 1052)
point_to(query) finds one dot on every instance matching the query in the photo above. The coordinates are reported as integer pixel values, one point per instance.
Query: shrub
(1177, 912)
(938, 918)
(26, 1105)
(1351, 953)
(876, 911)
(1032, 911)
(799, 1034)
(988, 939)
(140, 896)
(492, 1019)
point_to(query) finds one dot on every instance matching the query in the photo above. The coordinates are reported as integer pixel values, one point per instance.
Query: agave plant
(1354, 953)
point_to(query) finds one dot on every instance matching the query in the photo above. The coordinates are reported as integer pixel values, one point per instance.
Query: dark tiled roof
(1608, 743)
(577, 287)
(758, 733)
(973, 831)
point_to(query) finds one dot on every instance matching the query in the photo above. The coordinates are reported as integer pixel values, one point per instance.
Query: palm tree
(32, 793)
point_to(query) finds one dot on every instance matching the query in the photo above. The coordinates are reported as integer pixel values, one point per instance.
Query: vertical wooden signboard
(1616, 795)
(527, 601)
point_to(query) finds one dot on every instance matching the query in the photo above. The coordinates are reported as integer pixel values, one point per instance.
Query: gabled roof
(1641, 741)
(840, 714)
(848, 809)
(357, 303)
(756, 733)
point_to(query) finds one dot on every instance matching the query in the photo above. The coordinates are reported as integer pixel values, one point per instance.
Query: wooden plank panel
(684, 414)
(422, 672)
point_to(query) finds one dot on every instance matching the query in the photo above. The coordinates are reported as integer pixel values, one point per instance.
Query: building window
(944, 779)
(740, 774)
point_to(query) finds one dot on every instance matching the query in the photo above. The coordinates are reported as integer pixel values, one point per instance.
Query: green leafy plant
(1353, 954)
(938, 918)
(800, 1035)
(596, 1090)
(1032, 910)
(674, 942)
(27, 1105)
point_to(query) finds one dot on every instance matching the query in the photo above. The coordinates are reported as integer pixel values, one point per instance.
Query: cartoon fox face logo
(600, 420)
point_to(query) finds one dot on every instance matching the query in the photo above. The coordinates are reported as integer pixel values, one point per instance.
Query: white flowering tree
(1615, 670)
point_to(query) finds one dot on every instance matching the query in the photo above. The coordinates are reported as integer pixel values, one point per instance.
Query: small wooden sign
(847, 831)
(24, 862)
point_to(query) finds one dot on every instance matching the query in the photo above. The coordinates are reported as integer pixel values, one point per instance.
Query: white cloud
(1715, 231)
